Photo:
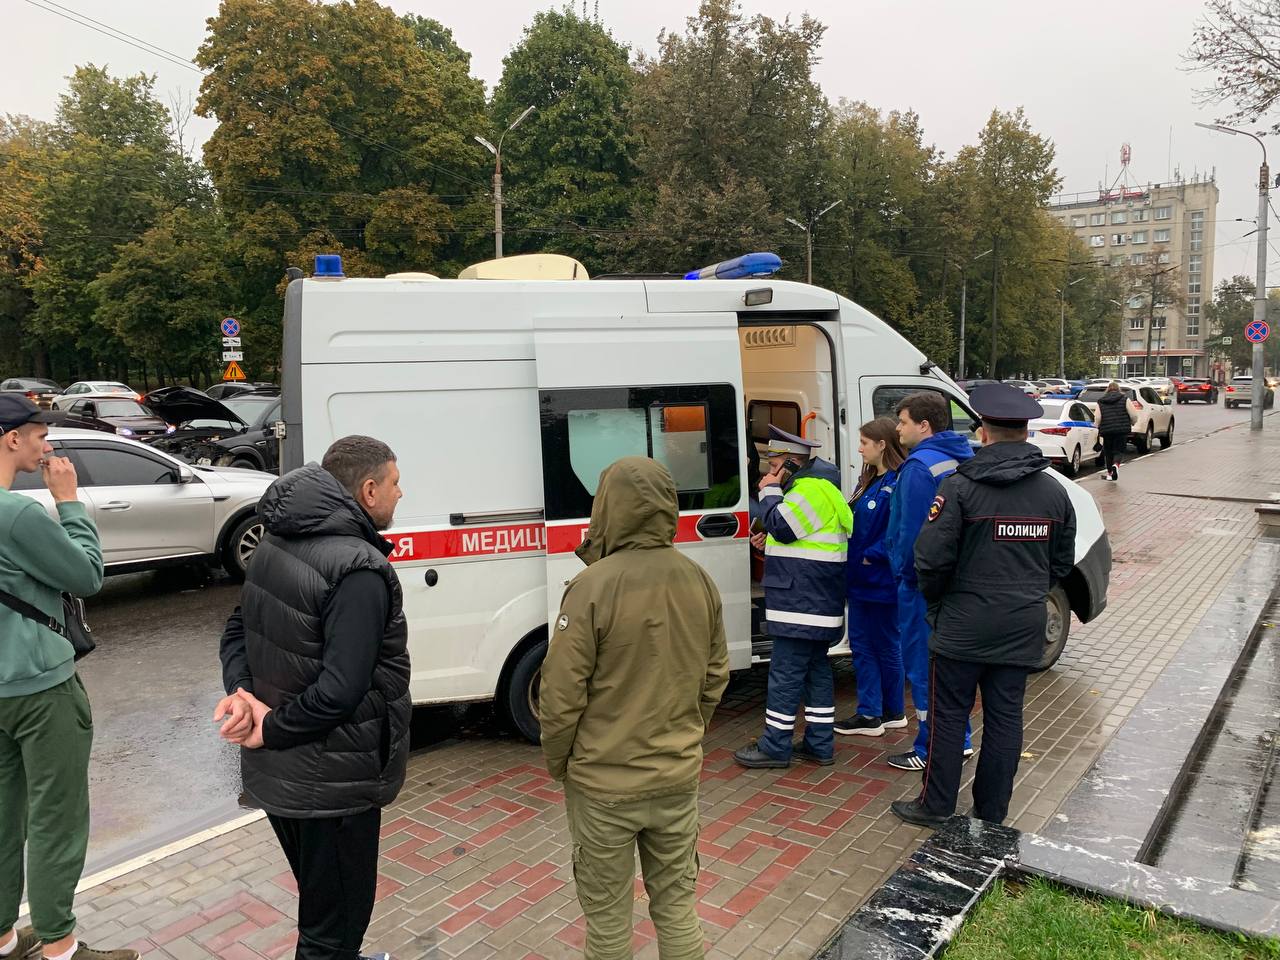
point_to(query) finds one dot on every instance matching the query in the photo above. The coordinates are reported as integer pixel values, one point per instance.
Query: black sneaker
(801, 752)
(860, 724)
(906, 761)
(753, 758)
(895, 723)
(913, 811)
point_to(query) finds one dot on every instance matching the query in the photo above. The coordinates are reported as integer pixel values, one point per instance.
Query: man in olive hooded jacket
(636, 666)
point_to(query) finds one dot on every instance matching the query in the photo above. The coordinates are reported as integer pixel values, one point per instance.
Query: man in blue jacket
(934, 452)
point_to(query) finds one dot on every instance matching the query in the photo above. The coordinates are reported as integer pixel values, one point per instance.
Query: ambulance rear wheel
(1057, 625)
(519, 698)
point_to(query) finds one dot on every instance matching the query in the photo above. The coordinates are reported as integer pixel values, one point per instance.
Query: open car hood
(180, 405)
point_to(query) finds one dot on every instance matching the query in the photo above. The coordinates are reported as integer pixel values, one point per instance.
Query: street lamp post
(964, 290)
(1258, 389)
(1062, 328)
(808, 237)
(497, 179)
(1119, 339)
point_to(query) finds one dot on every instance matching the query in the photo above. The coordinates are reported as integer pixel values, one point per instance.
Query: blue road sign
(230, 327)
(1257, 331)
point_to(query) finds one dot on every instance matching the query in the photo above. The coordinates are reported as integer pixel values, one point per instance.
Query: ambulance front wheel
(519, 697)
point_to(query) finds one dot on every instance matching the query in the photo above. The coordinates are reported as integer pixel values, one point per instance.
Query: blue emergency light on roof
(748, 265)
(328, 265)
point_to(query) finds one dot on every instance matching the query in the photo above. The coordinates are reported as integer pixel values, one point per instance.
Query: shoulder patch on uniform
(935, 508)
(563, 622)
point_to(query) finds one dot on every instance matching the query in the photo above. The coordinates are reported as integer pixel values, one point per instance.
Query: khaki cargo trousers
(605, 837)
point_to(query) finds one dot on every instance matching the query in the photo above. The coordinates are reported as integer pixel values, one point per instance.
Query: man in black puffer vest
(315, 665)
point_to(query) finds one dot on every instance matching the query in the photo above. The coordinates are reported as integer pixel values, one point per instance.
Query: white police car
(1066, 434)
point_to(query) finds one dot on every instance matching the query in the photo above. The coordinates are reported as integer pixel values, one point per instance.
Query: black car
(232, 388)
(122, 415)
(236, 432)
(38, 391)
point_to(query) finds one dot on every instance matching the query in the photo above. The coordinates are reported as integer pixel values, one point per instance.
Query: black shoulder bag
(75, 627)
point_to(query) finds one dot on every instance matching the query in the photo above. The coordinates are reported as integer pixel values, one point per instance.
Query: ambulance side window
(690, 429)
(761, 414)
(884, 402)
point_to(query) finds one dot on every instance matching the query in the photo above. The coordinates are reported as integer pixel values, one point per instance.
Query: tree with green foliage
(931, 330)
(727, 111)
(570, 172)
(23, 155)
(1227, 316)
(110, 173)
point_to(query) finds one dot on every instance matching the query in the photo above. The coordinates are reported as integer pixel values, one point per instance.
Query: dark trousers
(335, 861)
(953, 686)
(799, 670)
(1113, 446)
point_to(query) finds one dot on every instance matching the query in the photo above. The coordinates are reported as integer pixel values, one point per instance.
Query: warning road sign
(1257, 331)
(233, 372)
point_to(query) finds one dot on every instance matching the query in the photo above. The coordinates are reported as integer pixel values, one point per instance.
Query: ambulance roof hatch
(747, 265)
(528, 266)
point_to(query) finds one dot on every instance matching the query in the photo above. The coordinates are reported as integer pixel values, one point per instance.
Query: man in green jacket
(636, 666)
(46, 727)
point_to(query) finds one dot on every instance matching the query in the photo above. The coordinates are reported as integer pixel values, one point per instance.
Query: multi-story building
(1143, 227)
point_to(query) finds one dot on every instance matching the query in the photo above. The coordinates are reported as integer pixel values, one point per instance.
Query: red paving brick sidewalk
(476, 851)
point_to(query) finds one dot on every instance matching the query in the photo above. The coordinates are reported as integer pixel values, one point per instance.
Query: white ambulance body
(504, 399)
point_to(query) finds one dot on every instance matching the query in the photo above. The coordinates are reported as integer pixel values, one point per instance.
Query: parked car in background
(1066, 434)
(1152, 413)
(1026, 386)
(1240, 391)
(40, 392)
(152, 510)
(236, 432)
(1198, 389)
(1163, 386)
(967, 385)
(116, 414)
(232, 388)
(83, 387)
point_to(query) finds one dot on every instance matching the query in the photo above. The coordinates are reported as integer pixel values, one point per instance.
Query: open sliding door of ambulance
(666, 386)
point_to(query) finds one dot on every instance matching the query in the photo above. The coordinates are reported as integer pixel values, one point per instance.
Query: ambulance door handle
(718, 525)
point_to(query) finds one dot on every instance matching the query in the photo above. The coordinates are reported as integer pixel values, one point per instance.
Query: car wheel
(519, 698)
(1072, 467)
(1143, 443)
(245, 464)
(238, 548)
(1057, 625)
(1167, 440)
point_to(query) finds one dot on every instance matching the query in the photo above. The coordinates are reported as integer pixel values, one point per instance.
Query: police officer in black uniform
(999, 535)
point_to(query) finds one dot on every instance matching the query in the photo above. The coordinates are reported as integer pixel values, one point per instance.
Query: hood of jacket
(953, 444)
(635, 508)
(309, 502)
(1001, 464)
(821, 470)
(1113, 396)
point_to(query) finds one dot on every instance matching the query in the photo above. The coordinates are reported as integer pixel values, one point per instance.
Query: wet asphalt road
(159, 770)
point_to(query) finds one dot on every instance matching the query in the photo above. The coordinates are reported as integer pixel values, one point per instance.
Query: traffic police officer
(1000, 533)
(807, 523)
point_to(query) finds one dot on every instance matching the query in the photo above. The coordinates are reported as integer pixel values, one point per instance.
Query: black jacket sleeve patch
(935, 508)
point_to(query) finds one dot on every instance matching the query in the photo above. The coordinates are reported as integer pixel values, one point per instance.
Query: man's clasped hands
(244, 714)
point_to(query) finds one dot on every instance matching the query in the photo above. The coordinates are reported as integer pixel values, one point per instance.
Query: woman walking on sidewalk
(1115, 420)
(873, 597)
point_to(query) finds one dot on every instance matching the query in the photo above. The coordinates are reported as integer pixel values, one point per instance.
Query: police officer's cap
(781, 443)
(1003, 405)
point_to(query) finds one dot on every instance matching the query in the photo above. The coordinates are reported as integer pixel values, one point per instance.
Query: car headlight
(124, 431)
(169, 428)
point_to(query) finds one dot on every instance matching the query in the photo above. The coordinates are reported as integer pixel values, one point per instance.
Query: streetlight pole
(497, 180)
(1119, 340)
(1062, 328)
(808, 237)
(1258, 389)
(964, 289)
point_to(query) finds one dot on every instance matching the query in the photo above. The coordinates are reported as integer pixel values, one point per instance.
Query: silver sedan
(153, 510)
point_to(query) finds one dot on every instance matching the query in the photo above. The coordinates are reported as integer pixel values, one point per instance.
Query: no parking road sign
(230, 327)
(1257, 331)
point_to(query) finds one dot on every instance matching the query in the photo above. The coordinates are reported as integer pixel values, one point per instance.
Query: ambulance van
(503, 400)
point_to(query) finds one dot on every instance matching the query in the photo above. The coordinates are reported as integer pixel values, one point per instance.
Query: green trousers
(44, 802)
(605, 837)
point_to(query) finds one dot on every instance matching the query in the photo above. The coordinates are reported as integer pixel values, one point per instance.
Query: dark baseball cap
(16, 411)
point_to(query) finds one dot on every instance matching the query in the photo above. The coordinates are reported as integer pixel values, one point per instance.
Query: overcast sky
(1091, 75)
